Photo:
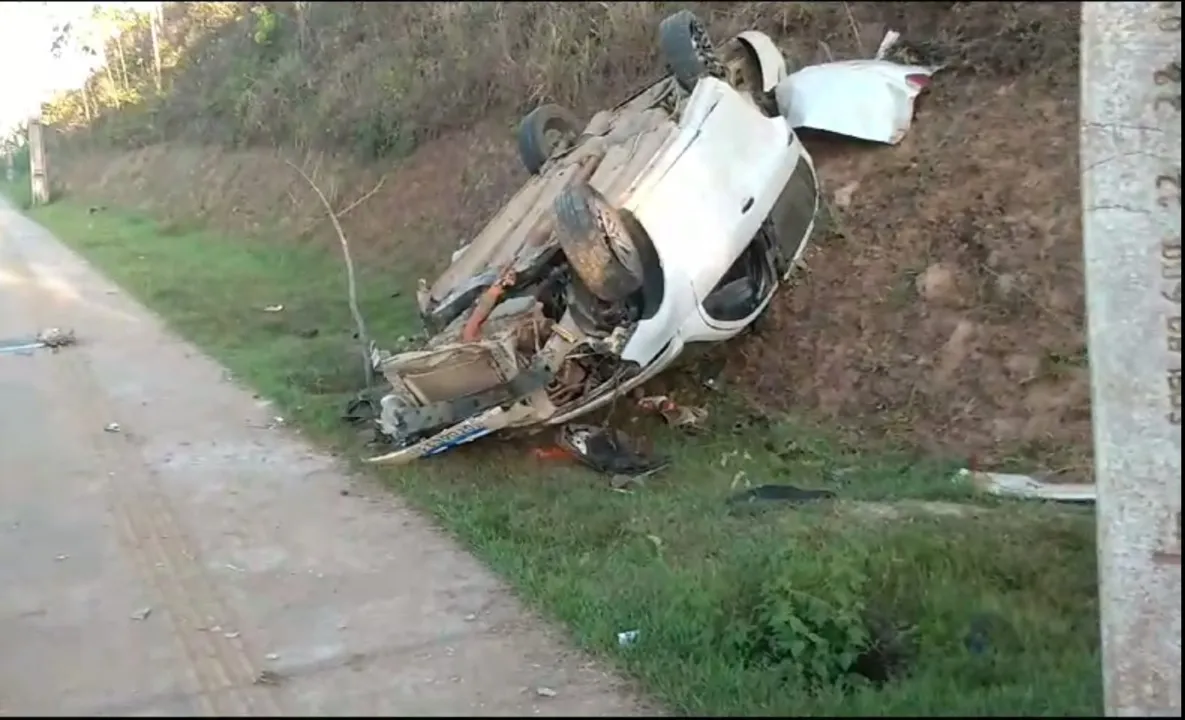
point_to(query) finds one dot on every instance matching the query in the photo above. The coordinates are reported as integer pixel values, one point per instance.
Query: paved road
(197, 562)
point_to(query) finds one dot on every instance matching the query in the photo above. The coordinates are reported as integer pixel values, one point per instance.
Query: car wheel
(688, 50)
(543, 131)
(595, 241)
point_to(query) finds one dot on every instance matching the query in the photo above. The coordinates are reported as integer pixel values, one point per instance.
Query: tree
(154, 22)
(112, 23)
(64, 37)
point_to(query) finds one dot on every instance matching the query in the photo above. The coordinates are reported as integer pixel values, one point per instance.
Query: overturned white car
(671, 219)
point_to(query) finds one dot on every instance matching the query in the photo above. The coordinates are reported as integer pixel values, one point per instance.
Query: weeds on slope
(378, 79)
(875, 604)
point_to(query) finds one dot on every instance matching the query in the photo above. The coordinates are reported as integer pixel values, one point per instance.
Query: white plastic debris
(112, 427)
(1027, 487)
(864, 99)
(887, 42)
(627, 638)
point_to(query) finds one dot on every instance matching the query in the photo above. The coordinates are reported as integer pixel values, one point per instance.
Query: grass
(19, 192)
(781, 611)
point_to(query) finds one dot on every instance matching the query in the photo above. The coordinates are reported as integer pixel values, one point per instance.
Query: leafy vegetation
(16, 151)
(377, 79)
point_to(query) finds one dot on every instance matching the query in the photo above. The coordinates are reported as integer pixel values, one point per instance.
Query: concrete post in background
(38, 172)
(1131, 192)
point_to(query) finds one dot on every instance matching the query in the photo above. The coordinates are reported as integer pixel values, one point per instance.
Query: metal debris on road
(52, 338)
(55, 338)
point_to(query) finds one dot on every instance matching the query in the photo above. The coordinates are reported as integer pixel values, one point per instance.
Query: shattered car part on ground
(608, 451)
(51, 338)
(865, 99)
(1026, 487)
(676, 415)
(669, 220)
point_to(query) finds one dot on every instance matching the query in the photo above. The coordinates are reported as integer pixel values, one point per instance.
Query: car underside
(669, 220)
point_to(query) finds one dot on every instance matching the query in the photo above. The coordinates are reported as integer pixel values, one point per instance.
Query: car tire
(595, 241)
(541, 132)
(687, 49)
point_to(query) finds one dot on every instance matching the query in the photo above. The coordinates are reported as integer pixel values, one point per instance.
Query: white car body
(690, 202)
(712, 194)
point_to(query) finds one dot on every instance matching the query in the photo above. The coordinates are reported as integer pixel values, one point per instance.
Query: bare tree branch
(359, 323)
(364, 197)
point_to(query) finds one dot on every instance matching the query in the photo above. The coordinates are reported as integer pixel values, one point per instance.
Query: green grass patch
(867, 605)
(19, 191)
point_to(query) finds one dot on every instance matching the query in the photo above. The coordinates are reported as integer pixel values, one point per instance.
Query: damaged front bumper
(455, 392)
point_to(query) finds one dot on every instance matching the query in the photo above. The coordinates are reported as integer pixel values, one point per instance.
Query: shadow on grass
(865, 604)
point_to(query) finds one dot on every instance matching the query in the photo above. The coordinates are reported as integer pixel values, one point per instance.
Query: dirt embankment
(942, 307)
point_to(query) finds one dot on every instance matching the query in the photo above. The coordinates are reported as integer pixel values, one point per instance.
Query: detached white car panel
(864, 99)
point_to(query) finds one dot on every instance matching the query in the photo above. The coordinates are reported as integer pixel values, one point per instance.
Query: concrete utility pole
(38, 173)
(1131, 196)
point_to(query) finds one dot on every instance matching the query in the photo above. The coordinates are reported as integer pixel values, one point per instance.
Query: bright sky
(29, 74)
